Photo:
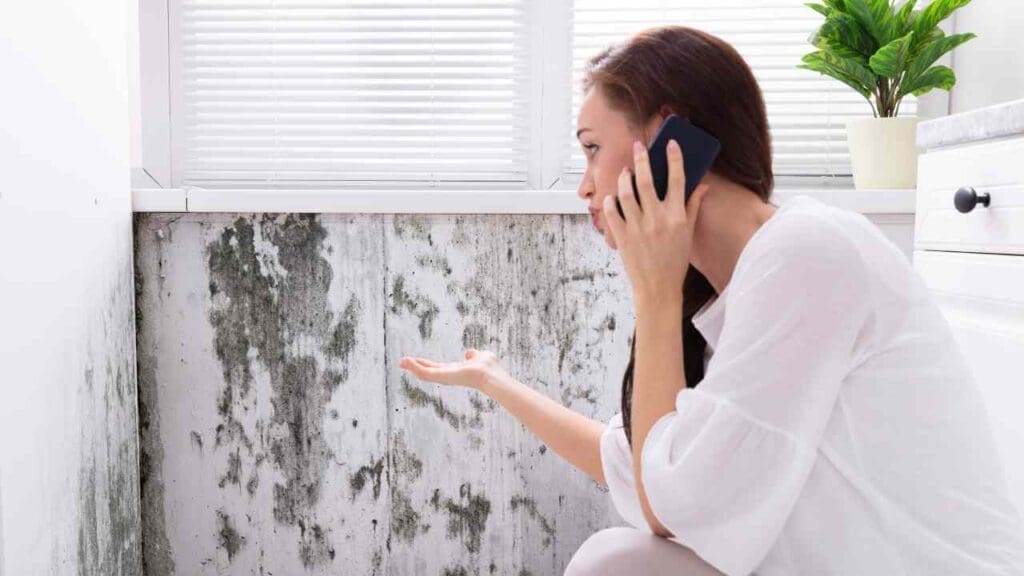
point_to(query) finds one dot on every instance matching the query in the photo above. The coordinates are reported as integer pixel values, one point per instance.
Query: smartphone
(699, 152)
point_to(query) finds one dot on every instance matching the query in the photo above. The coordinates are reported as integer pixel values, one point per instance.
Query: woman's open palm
(472, 372)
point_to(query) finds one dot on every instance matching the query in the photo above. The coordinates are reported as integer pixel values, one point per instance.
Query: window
(446, 94)
(290, 93)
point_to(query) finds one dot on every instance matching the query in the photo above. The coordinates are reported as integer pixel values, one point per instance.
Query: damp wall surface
(69, 498)
(279, 435)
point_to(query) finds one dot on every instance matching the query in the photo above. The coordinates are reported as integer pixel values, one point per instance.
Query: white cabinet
(973, 263)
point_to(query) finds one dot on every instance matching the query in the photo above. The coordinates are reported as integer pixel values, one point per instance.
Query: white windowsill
(554, 201)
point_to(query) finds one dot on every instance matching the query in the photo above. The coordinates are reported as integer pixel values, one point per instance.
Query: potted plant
(885, 52)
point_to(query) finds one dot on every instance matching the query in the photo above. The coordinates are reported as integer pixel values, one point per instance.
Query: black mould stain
(467, 516)
(343, 338)
(88, 530)
(404, 518)
(571, 393)
(404, 469)
(417, 305)
(269, 288)
(437, 262)
(412, 227)
(530, 505)
(474, 335)
(156, 549)
(106, 494)
(228, 538)
(196, 440)
(315, 549)
(456, 571)
(233, 474)
(419, 397)
(371, 472)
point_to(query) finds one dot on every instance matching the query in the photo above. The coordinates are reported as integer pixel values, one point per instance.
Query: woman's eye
(591, 149)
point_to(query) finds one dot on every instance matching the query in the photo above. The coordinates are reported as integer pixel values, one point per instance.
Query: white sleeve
(617, 464)
(723, 471)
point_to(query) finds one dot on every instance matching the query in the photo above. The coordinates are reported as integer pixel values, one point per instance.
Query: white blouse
(837, 429)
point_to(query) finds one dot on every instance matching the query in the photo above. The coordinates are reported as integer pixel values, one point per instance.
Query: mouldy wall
(280, 436)
(69, 498)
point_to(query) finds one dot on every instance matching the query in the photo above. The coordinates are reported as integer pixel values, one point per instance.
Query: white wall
(68, 438)
(988, 68)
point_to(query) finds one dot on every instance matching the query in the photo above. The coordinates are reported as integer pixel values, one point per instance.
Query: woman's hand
(473, 372)
(655, 241)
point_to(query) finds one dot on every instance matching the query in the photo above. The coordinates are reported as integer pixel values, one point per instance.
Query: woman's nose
(586, 187)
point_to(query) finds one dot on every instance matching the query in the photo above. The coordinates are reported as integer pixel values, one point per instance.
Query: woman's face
(607, 143)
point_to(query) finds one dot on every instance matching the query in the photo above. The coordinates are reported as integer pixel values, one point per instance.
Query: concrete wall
(68, 435)
(279, 435)
(988, 68)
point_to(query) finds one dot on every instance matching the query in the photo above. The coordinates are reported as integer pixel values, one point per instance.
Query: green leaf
(935, 77)
(933, 50)
(891, 59)
(852, 68)
(843, 29)
(935, 12)
(837, 49)
(850, 73)
(874, 16)
(839, 5)
(819, 8)
(902, 19)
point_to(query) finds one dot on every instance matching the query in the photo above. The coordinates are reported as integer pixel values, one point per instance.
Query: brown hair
(702, 77)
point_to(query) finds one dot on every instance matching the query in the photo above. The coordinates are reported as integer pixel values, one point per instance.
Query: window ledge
(432, 201)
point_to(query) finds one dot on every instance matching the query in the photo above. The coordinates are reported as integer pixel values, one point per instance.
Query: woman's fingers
(627, 198)
(644, 180)
(472, 372)
(676, 193)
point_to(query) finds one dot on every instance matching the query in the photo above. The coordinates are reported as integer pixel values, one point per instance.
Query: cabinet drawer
(992, 167)
(981, 296)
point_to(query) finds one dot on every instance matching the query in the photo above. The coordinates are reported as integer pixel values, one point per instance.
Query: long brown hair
(702, 77)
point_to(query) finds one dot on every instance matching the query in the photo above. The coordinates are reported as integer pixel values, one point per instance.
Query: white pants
(622, 551)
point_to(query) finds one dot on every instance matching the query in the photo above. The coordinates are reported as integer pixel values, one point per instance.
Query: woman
(794, 402)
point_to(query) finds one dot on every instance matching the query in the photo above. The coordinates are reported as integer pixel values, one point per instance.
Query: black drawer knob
(966, 199)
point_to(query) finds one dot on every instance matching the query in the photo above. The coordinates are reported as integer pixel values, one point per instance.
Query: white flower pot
(883, 152)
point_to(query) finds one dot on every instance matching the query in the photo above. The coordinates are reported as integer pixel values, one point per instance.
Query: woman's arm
(570, 434)
(657, 378)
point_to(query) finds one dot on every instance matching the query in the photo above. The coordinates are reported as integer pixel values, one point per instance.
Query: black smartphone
(699, 152)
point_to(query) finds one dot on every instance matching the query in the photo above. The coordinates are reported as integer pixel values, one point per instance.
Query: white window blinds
(806, 111)
(285, 93)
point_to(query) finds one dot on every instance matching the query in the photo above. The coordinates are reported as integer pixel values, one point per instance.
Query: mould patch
(417, 305)
(530, 505)
(467, 516)
(404, 469)
(269, 284)
(370, 472)
(228, 538)
(419, 398)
